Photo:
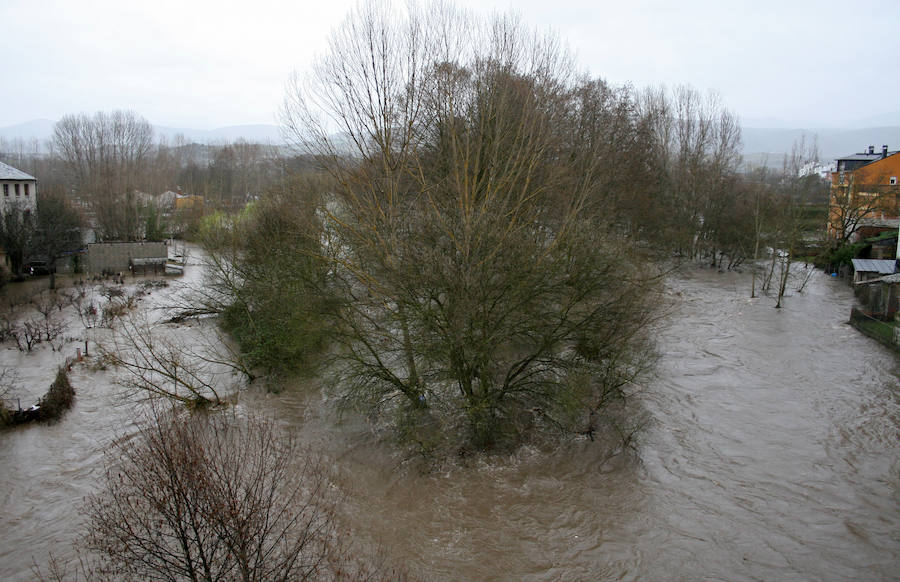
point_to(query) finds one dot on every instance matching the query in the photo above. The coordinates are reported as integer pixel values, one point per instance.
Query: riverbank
(888, 334)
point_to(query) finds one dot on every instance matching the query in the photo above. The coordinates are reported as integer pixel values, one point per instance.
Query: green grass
(879, 330)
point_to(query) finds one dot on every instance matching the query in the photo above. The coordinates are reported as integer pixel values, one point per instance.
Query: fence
(884, 332)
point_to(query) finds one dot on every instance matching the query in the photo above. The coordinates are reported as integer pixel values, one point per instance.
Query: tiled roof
(7, 172)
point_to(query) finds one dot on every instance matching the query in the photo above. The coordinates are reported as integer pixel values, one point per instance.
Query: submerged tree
(694, 152)
(265, 277)
(216, 497)
(484, 283)
(58, 228)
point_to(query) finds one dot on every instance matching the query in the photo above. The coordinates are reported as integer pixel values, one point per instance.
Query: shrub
(58, 399)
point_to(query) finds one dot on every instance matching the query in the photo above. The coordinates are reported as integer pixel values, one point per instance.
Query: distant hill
(833, 143)
(42, 129)
(759, 143)
(39, 129)
(252, 133)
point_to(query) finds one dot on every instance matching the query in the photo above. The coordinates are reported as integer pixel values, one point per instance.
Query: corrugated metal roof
(882, 266)
(7, 172)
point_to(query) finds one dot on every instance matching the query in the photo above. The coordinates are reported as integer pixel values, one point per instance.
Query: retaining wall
(114, 256)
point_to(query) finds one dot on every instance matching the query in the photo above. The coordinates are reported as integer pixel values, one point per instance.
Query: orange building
(865, 194)
(188, 202)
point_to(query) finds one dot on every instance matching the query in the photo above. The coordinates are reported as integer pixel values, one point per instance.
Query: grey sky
(207, 64)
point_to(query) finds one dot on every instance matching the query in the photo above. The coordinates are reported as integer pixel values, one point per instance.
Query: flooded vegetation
(463, 306)
(771, 452)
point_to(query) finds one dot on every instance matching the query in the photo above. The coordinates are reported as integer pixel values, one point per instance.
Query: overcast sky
(199, 64)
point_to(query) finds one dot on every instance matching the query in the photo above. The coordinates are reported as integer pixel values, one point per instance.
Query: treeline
(113, 167)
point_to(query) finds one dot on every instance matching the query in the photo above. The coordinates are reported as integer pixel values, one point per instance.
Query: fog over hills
(759, 142)
(42, 129)
(832, 143)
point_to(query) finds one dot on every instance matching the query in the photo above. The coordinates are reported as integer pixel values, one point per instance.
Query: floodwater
(772, 453)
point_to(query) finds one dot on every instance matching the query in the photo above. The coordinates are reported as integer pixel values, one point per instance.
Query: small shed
(881, 296)
(867, 269)
(143, 266)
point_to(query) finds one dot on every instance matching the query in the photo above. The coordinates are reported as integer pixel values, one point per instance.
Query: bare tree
(217, 497)
(480, 279)
(159, 363)
(694, 153)
(855, 199)
(108, 155)
(795, 190)
(57, 228)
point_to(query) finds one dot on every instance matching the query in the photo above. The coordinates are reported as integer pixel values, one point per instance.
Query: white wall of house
(21, 193)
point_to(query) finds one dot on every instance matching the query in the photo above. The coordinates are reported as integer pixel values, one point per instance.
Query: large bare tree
(216, 497)
(484, 285)
(107, 154)
(694, 154)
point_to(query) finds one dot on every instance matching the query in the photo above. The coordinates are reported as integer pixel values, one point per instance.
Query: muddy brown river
(772, 452)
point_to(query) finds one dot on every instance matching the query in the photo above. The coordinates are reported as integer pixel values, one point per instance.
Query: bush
(58, 399)
(839, 256)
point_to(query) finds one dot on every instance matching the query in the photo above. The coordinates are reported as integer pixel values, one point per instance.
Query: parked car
(37, 268)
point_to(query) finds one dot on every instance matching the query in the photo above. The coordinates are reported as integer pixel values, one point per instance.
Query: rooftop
(870, 155)
(881, 266)
(7, 172)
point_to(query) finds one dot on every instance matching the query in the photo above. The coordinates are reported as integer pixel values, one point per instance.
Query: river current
(771, 452)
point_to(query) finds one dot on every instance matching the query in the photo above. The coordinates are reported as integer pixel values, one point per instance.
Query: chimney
(871, 150)
(883, 151)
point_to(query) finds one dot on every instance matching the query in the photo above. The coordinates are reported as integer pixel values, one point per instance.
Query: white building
(17, 189)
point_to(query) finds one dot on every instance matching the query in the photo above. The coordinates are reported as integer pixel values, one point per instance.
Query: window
(893, 180)
(16, 187)
(26, 189)
(6, 190)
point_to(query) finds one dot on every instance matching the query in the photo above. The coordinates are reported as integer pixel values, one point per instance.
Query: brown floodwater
(772, 452)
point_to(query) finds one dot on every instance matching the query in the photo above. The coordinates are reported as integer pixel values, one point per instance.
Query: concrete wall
(114, 256)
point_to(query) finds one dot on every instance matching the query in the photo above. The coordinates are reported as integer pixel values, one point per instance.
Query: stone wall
(114, 256)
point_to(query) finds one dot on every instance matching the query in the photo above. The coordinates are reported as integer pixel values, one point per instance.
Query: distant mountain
(252, 133)
(833, 143)
(759, 143)
(39, 129)
(884, 119)
(42, 129)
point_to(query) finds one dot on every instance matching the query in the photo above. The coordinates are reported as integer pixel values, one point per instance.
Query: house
(17, 189)
(864, 193)
(188, 202)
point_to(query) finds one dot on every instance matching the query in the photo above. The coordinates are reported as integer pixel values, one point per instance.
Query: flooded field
(772, 453)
